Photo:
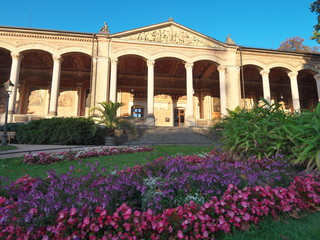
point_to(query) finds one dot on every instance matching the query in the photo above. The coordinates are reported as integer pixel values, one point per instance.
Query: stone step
(171, 136)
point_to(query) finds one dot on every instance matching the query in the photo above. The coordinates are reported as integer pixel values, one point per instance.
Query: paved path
(156, 136)
(23, 149)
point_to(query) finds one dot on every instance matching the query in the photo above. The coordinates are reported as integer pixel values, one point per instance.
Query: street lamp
(8, 87)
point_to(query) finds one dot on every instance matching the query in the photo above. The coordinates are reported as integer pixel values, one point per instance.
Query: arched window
(137, 111)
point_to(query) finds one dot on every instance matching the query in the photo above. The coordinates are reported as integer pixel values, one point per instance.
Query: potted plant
(107, 116)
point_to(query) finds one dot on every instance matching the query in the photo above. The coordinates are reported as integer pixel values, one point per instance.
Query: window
(137, 111)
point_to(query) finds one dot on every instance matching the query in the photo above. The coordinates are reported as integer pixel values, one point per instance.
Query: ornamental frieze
(172, 35)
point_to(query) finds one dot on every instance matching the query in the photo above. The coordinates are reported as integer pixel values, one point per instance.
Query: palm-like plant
(107, 115)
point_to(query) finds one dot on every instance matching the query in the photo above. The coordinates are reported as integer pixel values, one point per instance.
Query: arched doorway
(35, 79)
(5, 66)
(207, 91)
(251, 87)
(74, 87)
(132, 85)
(308, 94)
(280, 87)
(169, 89)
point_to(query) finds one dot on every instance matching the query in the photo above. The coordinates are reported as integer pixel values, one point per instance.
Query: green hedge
(11, 127)
(67, 131)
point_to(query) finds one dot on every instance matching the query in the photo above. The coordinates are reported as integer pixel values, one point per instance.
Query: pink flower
(127, 226)
(180, 234)
(33, 211)
(73, 211)
(86, 221)
(2, 200)
(127, 214)
(244, 204)
(246, 217)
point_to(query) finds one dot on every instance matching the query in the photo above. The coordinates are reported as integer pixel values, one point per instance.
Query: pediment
(170, 33)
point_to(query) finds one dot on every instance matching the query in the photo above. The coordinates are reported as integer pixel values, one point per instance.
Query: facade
(165, 74)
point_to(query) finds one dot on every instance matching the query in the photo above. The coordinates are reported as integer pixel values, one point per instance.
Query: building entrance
(179, 114)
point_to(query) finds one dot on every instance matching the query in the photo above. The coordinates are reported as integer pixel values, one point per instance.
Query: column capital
(233, 67)
(292, 74)
(114, 60)
(264, 71)
(16, 56)
(57, 58)
(150, 62)
(221, 68)
(317, 77)
(188, 65)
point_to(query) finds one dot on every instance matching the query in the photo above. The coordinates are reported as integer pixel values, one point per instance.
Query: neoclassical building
(165, 74)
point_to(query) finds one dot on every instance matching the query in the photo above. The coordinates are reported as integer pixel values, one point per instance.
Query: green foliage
(7, 147)
(304, 134)
(315, 7)
(57, 131)
(107, 115)
(256, 131)
(267, 131)
(11, 127)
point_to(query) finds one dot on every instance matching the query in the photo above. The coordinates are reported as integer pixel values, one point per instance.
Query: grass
(14, 168)
(7, 147)
(306, 228)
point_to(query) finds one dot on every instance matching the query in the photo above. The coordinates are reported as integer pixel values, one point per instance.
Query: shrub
(11, 127)
(304, 134)
(267, 131)
(57, 131)
(257, 131)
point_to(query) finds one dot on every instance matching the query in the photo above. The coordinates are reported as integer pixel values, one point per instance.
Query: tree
(315, 7)
(295, 44)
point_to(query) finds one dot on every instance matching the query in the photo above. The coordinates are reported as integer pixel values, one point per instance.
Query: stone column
(233, 87)
(78, 99)
(102, 79)
(190, 121)
(317, 78)
(113, 80)
(150, 95)
(14, 78)
(266, 85)
(55, 85)
(223, 90)
(294, 90)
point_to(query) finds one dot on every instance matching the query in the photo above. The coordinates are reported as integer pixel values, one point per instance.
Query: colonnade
(55, 84)
(227, 74)
(150, 88)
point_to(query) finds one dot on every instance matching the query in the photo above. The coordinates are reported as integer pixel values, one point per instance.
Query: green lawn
(287, 228)
(14, 168)
(7, 147)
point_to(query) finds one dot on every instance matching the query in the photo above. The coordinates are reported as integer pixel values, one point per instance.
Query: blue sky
(251, 23)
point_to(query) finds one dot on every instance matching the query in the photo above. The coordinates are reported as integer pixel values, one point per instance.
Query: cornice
(44, 36)
(278, 53)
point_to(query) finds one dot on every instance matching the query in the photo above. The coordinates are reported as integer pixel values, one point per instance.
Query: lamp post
(8, 87)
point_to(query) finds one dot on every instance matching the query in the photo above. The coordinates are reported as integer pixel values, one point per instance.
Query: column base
(190, 121)
(52, 114)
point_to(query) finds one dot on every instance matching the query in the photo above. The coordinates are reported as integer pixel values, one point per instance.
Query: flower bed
(47, 158)
(183, 197)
